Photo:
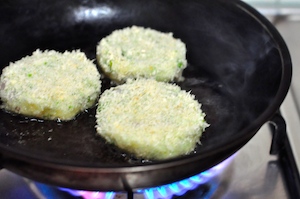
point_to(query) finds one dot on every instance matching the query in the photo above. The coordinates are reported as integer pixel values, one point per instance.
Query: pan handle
(278, 129)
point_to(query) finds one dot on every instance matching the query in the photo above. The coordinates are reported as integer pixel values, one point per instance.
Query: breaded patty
(136, 52)
(50, 85)
(151, 119)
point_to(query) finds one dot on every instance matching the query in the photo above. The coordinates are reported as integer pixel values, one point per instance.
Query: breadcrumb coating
(150, 119)
(137, 52)
(50, 85)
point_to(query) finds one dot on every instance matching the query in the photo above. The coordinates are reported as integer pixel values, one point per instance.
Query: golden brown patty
(153, 120)
(50, 85)
(136, 52)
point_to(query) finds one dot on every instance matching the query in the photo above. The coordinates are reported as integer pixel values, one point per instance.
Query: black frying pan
(239, 69)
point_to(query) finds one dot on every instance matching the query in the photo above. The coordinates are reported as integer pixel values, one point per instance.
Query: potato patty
(151, 119)
(135, 52)
(50, 85)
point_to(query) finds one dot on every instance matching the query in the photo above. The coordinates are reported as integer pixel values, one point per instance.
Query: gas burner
(181, 187)
(205, 180)
(90, 194)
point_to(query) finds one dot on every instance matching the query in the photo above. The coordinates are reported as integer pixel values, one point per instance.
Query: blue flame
(166, 191)
(181, 187)
(90, 194)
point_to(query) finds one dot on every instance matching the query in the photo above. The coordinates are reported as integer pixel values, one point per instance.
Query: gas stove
(253, 172)
(266, 167)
